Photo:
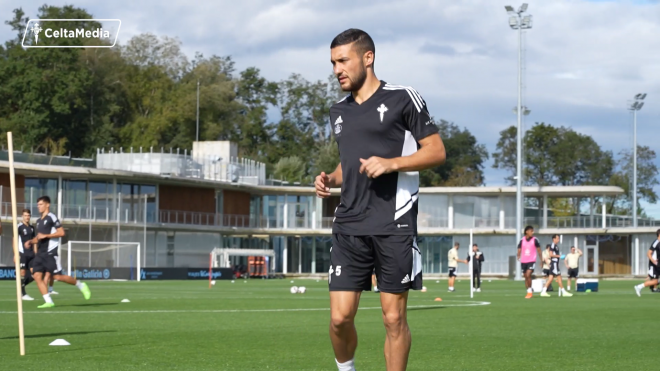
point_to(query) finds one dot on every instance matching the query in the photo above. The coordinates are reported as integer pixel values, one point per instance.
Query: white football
(213, 282)
(294, 289)
(423, 288)
(301, 289)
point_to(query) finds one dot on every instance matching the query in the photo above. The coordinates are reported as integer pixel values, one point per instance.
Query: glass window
(75, 193)
(37, 187)
(433, 211)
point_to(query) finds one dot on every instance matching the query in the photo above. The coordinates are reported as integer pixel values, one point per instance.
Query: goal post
(102, 255)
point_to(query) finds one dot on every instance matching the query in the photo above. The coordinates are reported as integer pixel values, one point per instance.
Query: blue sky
(585, 59)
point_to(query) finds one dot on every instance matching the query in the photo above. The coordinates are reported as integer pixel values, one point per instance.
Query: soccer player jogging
(654, 269)
(46, 263)
(476, 267)
(572, 262)
(452, 264)
(554, 270)
(385, 136)
(528, 247)
(26, 253)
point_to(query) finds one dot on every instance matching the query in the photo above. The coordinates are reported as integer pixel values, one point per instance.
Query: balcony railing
(135, 214)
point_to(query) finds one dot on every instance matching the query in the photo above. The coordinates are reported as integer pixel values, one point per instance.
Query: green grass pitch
(259, 325)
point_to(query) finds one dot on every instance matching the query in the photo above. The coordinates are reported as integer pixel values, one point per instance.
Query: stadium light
(526, 111)
(519, 22)
(634, 107)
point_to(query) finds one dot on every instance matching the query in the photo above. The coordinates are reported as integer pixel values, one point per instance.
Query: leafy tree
(291, 169)
(465, 158)
(647, 180)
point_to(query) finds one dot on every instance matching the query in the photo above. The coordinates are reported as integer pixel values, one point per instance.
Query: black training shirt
(389, 124)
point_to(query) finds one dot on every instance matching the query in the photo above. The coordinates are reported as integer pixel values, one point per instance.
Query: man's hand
(655, 261)
(41, 236)
(377, 166)
(322, 185)
(27, 244)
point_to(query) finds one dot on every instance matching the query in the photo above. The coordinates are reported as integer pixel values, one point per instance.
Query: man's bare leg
(39, 279)
(398, 338)
(343, 308)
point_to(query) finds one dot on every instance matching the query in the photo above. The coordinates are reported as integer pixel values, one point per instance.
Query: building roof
(39, 170)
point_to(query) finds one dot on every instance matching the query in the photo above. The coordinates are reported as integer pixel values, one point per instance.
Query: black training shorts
(573, 273)
(47, 263)
(26, 258)
(524, 267)
(397, 260)
(554, 269)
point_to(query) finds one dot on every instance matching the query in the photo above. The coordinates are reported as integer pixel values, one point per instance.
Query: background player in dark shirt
(385, 136)
(49, 229)
(654, 269)
(25, 251)
(554, 271)
(476, 266)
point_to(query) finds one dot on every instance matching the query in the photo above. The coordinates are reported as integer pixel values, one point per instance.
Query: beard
(357, 82)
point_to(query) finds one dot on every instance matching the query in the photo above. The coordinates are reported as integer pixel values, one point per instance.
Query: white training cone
(125, 301)
(59, 342)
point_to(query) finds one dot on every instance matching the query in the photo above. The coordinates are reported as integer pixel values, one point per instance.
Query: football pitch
(260, 325)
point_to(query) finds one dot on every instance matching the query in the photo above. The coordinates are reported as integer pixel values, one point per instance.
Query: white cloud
(584, 59)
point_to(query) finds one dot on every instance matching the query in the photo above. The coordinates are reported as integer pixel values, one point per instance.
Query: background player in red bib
(529, 249)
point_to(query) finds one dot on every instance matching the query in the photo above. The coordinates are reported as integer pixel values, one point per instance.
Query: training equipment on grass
(294, 289)
(93, 259)
(125, 301)
(302, 289)
(14, 226)
(213, 283)
(423, 288)
(584, 284)
(59, 343)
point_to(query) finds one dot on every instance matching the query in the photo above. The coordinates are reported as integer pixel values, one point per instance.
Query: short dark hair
(363, 42)
(547, 246)
(572, 247)
(45, 199)
(555, 236)
(26, 211)
(528, 228)
(657, 233)
(456, 244)
(475, 245)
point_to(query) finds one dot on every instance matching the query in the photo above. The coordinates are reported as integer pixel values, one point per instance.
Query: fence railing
(233, 169)
(136, 214)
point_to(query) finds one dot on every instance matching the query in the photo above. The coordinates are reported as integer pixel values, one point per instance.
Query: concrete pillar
(604, 213)
(450, 213)
(502, 216)
(313, 254)
(545, 211)
(285, 241)
(591, 212)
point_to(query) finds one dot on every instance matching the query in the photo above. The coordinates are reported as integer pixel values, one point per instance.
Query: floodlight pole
(517, 22)
(519, 196)
(635, 106)
(634, 192)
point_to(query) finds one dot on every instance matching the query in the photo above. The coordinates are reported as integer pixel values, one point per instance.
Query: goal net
(248, 262)
(101, 260)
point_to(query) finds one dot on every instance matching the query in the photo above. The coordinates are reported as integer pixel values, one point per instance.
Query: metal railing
(232, 170)
(135, 214)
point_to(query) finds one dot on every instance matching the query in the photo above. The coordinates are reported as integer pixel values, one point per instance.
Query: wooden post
(14, 217)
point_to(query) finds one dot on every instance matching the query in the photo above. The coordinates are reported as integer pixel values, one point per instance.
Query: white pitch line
(464, 304)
